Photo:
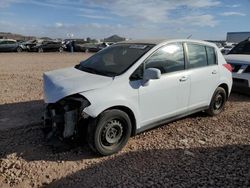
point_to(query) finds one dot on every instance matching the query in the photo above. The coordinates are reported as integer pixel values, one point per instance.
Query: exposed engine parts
(61, 118)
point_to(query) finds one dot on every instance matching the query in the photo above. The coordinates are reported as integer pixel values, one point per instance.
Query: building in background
(236, 37)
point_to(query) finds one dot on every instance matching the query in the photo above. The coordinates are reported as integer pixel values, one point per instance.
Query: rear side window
(197, 55)
(169, 58)
(211, 56)
(11, 42)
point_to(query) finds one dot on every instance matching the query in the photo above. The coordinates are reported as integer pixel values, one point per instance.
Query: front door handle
(183, 78)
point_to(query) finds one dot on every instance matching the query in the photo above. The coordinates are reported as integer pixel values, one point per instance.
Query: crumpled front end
(62, 119)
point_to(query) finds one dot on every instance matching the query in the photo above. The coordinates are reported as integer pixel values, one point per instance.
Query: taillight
(228, 67)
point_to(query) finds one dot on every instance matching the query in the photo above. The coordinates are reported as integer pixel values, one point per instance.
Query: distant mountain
(114, 38)
(5, 35)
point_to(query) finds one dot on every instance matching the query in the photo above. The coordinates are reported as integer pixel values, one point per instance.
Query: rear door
(203, 68)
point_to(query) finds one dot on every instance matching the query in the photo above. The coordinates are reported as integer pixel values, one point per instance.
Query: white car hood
(238, 58)
(68, 81)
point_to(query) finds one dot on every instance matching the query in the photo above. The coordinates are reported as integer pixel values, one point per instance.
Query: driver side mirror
(151, 74)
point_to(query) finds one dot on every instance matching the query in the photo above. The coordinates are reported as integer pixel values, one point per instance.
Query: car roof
(159, 41)
(8, 40)
(144, 41)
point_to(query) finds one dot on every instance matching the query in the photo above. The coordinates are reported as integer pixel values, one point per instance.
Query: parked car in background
(29, 44)
(227, 47)
(9, 45)
(89, 47)
(239, 58)
(47, 46)
(133, 86)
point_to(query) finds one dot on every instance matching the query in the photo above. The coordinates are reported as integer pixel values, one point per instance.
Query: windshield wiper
(94, 71)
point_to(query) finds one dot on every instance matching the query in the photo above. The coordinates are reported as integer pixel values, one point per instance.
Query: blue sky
(203, 19)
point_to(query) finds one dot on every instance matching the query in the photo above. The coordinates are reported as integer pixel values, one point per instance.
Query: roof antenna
(189, 36)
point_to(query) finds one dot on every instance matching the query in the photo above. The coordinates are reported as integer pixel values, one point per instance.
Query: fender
(99, 103)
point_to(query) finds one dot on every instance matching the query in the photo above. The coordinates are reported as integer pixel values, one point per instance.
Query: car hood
(238, 59)
(68, 81)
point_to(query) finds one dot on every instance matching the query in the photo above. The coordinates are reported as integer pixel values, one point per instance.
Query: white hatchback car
(133, 86)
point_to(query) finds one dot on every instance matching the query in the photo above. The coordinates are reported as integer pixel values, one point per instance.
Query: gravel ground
(196, 151)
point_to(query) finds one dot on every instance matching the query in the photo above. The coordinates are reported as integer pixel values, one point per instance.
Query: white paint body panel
(161, 98)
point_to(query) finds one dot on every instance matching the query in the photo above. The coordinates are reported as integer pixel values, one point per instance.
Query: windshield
(114, 60)
(241, 48)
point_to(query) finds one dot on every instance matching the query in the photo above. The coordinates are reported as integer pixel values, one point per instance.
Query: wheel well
(225, 87)
(130, 114)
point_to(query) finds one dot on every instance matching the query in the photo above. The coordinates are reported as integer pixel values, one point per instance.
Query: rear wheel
(19, 49)
(109, 133)
(218, 102)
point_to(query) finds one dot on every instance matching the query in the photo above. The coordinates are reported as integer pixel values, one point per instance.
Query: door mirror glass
(151, 74)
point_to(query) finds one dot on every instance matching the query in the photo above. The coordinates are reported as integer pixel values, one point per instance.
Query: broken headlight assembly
(61, 119)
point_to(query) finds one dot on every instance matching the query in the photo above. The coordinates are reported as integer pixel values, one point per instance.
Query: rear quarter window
(211, 56)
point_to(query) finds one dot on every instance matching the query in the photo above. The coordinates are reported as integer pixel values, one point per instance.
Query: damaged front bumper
(62, 119)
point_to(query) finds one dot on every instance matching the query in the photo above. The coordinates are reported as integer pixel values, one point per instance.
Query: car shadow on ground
(20, 133)
(15, 115)
(226, 166)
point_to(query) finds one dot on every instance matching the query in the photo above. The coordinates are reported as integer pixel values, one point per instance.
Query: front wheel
(40, 50)
(60, 49)
(218, 102)
(110, 132)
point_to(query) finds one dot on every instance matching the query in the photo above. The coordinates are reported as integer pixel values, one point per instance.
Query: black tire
(109, 132)
(60, 49)
(19, 49)
(217, 103)
(40, 50)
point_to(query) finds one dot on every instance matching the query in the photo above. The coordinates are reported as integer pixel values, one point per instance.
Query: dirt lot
(197, 151)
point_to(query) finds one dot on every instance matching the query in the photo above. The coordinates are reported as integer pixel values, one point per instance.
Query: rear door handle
(214, 72)
(183, 78)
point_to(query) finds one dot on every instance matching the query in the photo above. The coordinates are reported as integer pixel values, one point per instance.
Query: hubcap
(112, 132)
(218, 102)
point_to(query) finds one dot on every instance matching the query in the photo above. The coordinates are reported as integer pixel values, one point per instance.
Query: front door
(168, 96)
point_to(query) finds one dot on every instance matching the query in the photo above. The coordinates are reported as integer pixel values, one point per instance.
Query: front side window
(4, 42)
(197, 56)
(167, 59)
(114, 60)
